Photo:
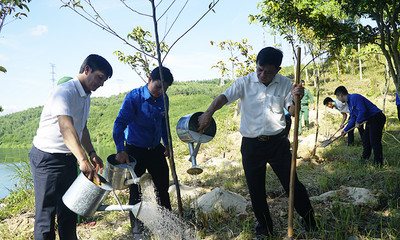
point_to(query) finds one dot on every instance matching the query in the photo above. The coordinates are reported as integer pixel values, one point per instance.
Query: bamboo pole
(295, 146)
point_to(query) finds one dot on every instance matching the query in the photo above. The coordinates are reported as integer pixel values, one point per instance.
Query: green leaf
(3, 69)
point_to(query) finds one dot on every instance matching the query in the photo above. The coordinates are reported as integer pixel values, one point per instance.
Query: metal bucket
(117, 173)
(83, 197)
(187, 126)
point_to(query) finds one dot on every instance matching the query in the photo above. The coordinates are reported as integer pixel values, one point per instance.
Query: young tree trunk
(359, 59)
(337, 68)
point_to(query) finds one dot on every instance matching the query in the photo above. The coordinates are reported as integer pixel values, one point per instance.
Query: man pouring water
(62, 140)
(264, 95)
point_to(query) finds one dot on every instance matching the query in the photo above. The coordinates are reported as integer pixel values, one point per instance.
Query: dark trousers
(372, 137)
(350, 135)
(52, 174)
(288, 120)
(155, 163)
(398, 112)
(255, 156)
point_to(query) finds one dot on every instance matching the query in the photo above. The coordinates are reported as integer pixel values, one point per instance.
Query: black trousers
(288, 120)
(372, 137)
(155, 163)
(398, 112)
(350, 135)
(255, 156)
(53, 174)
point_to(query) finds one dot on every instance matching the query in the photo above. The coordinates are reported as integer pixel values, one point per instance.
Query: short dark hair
(341, 90)
(168, 78)
(97, 63)
(270, 56)
(328, 100)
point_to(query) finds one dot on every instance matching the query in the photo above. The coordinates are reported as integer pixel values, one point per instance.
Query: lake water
(12, 158)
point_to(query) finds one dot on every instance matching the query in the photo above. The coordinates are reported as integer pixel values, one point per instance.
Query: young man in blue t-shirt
(361, 110)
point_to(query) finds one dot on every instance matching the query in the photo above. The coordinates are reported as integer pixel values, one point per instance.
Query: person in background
(288, 120)
(398, 106)
(344, 110)
(138, 130)
(63, 80)
(264, 95)
(304, 110)
(361, 110)
(62, 140)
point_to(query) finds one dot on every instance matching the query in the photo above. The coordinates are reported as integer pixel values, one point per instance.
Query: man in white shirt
(343, 108)
(62, 140)
(264, 95)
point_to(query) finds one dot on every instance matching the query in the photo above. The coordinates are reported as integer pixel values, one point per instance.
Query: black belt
(143, 148)
(264, 138)
(64, 154)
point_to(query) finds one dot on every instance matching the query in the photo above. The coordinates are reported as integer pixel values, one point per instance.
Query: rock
(353, 195)
(221, 163)
(353, 237)
(219, 199)
(241, 216)
(187, 192)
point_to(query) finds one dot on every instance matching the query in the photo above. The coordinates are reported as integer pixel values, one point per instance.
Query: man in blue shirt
(344, 110)
(138, 130)
(361, 110)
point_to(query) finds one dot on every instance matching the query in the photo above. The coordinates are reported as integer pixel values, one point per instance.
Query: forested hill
(18, 129)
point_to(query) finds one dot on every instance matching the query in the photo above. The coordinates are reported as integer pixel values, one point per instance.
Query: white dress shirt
(68, 99)
(262, 107)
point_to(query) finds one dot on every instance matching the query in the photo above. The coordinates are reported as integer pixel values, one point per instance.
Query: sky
(52, 42)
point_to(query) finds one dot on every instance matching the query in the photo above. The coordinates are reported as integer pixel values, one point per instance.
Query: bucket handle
(134, 180)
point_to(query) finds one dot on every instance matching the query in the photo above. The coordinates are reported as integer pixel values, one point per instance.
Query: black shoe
(263, 232)
(309, 223)
(138, 236)
(137, 226)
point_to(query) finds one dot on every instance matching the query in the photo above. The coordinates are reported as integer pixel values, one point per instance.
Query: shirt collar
(348, 98)
(147, 95)
(276, 79)
(80, 89)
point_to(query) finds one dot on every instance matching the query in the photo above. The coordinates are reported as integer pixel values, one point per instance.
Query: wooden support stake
(295, 146)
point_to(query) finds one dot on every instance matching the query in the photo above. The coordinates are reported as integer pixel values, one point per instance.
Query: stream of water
(162, 223)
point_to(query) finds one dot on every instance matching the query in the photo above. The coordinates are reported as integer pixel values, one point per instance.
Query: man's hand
(96, 162)
(88, 170)
(122, 157)
(343, 133)
(166, 153)
(297, 90)
(204, 121)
